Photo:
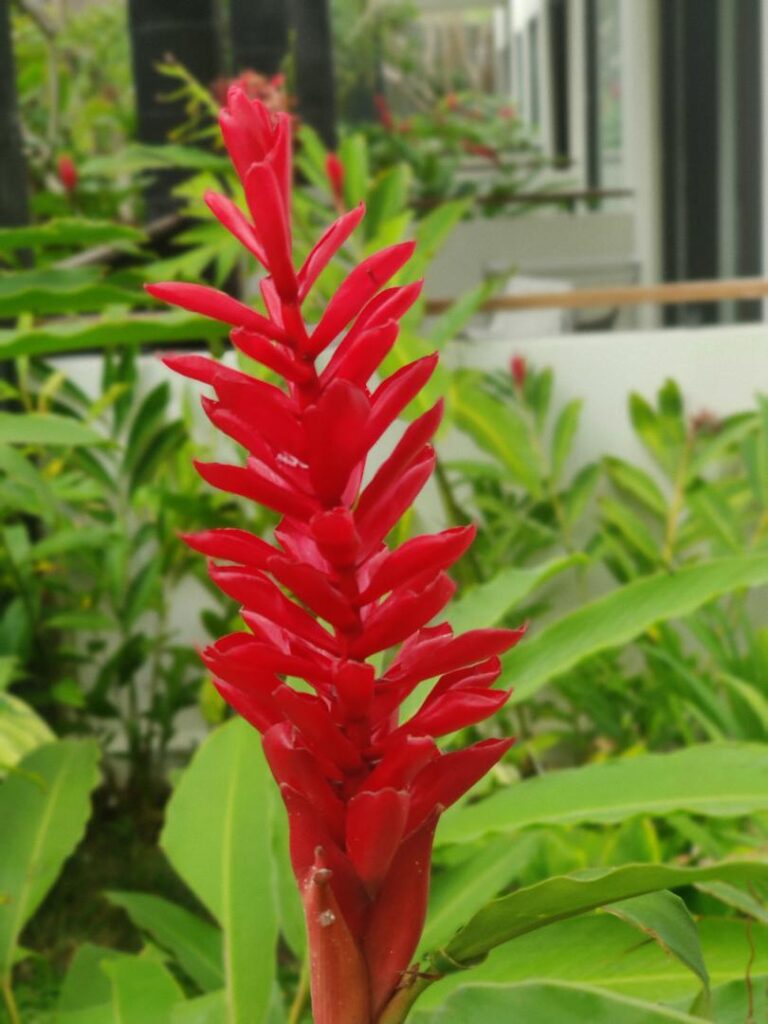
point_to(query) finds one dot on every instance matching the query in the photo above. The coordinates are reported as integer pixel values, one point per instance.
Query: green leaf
(353, 153)
(56, 290)
(556, 899)
(433, 231)
(143, 992)
(715, 513)
(68, 232)
(560, 1002)
(624, 614)
(579, 493)
(631, 527)
(711, 779)
(602, 951)
(194, 943)
(449, 325)
(218, 836)
(73, 335)
(21, 730)
(45, 429)
(147, 419)
(208, 1009)
(86, 985)
(637, 483)
(501, 431)
(388, 197)
(732, 896)
(44, 807)
(456, 892)
(76, 621)
(562, 440)
(665, 917)
(488, 603)
(63, 542)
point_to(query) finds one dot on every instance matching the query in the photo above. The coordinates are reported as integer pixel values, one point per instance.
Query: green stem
(399, 1006)
(676, 505)
(10, 1001)
(301, 998)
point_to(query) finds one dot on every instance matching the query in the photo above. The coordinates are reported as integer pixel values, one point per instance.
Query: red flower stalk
(334, 170)
(385, 112)
(67, 172)
(518, 367)
(363, 789)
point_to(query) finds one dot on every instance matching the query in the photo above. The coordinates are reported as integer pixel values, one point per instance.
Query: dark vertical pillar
(313, 58)
(14, 204)
(187, 30)
(558, 51)
(749, 157)
(690, 141)
(259, 33)
(591, 58)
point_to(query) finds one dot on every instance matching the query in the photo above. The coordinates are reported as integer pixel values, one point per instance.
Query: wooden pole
(678, 292)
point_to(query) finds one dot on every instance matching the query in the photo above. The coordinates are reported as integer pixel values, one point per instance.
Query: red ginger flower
(67, 171)
(363, 791)
(334, 170)
(518, 367)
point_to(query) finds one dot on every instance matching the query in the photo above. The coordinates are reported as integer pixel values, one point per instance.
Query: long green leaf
(68, 232)
(712, 779)
(143, 992)
(218, 836)
(194, 943)
(73, 335)
(46, 429)
(665, 917)
(207, 1009)
(455, 894)
(51, 290)
(21, 730)
(44, 807)
(488, 603)
(622, 616)
(555, 1002)
(556, 899)
(604, 952)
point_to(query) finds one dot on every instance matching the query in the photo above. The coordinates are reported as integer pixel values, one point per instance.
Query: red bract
(334, 170)
(363, 789)
(67, 171)
(518, 367)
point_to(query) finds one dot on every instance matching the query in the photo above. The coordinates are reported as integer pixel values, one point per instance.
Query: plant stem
(10, 1001)
(398, 1008)
(677, 504)
(301, 997)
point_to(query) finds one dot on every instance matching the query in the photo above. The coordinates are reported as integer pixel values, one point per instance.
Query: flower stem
(397, 1009)
(301, 997)
(10, 1001)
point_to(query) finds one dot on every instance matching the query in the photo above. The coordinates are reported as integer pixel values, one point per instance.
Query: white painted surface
(718, 368)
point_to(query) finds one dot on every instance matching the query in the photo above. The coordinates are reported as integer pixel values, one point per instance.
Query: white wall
(719, 369)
